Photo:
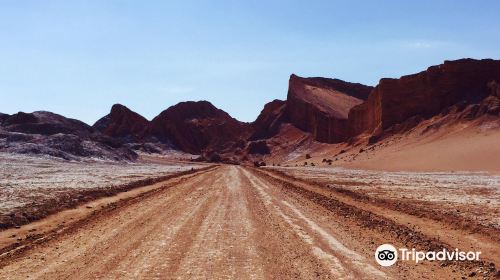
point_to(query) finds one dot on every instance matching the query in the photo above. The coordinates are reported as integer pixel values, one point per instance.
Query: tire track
(347, 265)
(225, 238)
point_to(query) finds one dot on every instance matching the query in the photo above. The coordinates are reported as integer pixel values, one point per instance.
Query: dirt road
(227, 223)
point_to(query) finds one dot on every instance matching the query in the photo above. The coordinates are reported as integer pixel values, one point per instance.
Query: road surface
(230, 222)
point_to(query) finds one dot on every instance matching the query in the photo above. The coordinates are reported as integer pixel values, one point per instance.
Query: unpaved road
(230, 222)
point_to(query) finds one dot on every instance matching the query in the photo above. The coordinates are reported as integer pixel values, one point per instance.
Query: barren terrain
(471, 196)
(31, 186)
(234, 222)
(435, 145)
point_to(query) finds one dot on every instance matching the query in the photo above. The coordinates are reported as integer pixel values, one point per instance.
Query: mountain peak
(122, 123)
(195, 126)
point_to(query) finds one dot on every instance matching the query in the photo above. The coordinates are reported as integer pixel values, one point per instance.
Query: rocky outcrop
(258, 148)
(321, 106)
(51, 134)
(424, 94)
(494, 88)
(491, 104)
(197, 126)
(269, 120)
(122, 123)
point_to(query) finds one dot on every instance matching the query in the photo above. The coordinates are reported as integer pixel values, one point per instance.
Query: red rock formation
(122, 123)
(269, 120)
(425, 94)
(197, 126)
(321, 106)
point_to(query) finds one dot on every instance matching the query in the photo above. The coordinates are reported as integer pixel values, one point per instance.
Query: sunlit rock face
(424, 94)
(321, 106)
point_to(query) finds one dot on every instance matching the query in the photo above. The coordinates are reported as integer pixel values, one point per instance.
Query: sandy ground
(235, 222)
(460, 149)
(455, 146)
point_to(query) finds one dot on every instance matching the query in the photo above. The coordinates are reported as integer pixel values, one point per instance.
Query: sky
(78, 58)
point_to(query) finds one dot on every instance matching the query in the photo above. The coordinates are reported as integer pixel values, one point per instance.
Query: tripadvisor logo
(387, 255)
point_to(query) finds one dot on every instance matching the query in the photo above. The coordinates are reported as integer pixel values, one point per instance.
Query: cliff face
(365, 117)
(424, 94)
(321, 106)
(122, 123)
(197, 126)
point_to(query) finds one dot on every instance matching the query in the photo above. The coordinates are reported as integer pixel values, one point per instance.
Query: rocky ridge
(323, 110)
(46, 133)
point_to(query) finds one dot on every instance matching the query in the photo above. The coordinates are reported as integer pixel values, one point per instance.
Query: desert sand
(465, 146)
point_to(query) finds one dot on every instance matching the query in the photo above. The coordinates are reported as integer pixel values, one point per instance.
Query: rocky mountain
(316, 109)
(197, 126)
(193, 127)
(51, 134)
(321, 106)
(122, 123)
(333, 111)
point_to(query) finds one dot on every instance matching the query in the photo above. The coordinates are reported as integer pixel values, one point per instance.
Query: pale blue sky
(77, 58)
